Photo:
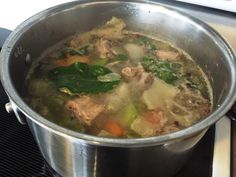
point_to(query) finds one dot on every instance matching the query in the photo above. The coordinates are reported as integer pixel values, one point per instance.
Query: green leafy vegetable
(100, 61)
(146, 42)
(110, 77)
(121, 57)
(197, 82)
(151, 47)
(81, 78)
(165, 70)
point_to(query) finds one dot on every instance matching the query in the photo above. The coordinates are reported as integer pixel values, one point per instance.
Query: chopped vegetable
(135, 52)
(128, 114)
(81, 78)
(165, 70)
(197, 82)
(104, 133)
(143, 40)
(114, 128)
(121, 57)
(117, 98)
(99, 61)
(143, 128)
(162, 91)
(110, 77)
(150, 124)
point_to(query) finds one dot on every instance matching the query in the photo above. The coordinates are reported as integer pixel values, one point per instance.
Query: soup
(112, 82)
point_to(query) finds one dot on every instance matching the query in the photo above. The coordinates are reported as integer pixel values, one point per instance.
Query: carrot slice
(114, 128)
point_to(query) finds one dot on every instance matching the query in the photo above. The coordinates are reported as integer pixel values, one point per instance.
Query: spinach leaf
(109, 77)
(81, 78)
(165, 70)
(121, 57)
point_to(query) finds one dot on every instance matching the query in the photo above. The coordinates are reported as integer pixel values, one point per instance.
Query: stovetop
(20, 156)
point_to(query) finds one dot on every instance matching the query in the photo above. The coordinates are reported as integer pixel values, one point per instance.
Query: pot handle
(232, 113)
(11, 107)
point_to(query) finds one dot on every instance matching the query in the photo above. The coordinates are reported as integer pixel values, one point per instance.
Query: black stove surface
(20, 156)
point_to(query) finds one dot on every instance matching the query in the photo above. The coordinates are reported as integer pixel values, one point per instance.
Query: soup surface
(112, 82)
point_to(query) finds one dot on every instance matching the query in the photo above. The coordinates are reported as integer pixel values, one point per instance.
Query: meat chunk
(103, 47)
(85, 109)
(80, 40)
(130, 73)
(143, 79)
(113, 29)
(146, 80)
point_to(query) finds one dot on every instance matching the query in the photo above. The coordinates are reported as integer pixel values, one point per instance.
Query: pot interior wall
(45, 31)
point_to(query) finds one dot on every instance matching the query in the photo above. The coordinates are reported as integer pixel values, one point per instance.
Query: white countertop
(228, 5)
(13, 12)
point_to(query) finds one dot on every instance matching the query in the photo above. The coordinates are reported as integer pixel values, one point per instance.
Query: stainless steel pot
(72, 154)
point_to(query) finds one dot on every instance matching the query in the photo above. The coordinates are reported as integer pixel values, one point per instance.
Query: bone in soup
(112, 82)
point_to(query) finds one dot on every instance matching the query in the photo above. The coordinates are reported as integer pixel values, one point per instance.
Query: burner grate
(19, 155)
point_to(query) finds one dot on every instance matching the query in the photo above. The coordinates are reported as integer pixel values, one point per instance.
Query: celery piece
(128, 114)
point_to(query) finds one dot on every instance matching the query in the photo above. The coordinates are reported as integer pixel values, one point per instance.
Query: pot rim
(114, 142)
